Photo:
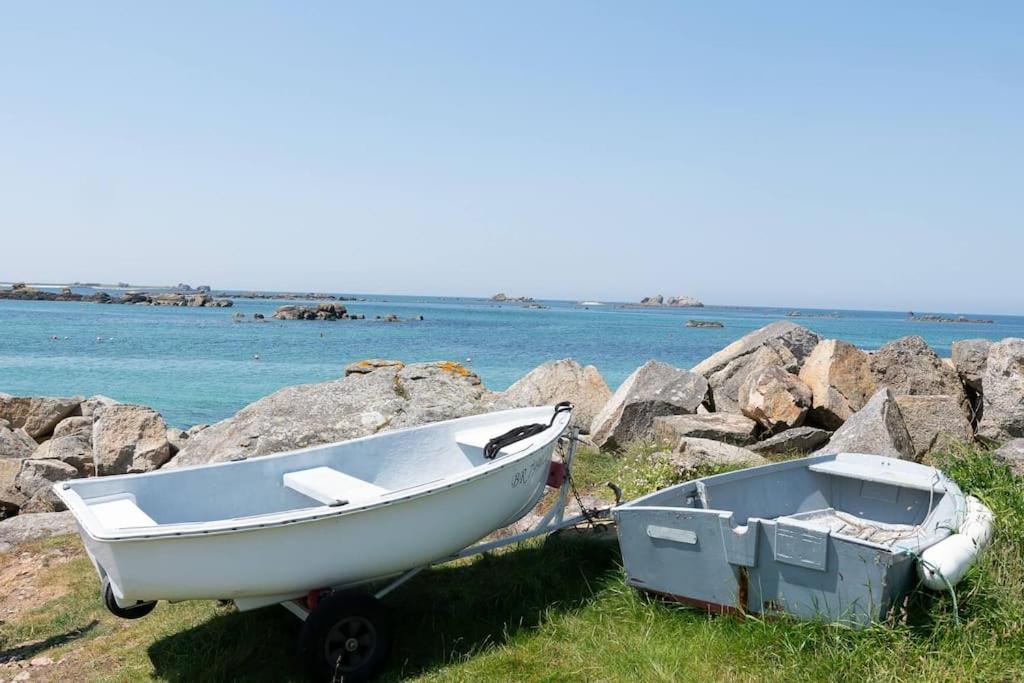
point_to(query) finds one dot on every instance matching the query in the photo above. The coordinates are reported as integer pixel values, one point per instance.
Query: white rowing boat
(269, 529)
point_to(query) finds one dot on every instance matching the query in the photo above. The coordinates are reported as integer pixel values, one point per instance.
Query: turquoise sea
(197, 364)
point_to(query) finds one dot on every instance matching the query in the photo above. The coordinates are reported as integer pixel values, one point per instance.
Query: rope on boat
(517, 434)
(952, 591)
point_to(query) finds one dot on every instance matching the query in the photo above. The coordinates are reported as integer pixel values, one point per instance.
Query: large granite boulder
(839, 375)
(728, 427)
(15, 443)
(11, 497)
(94, 405)
(37, 415)
(33, 527)
(73, 425)
(775, 399)
(653, 390)
(969, 358)
(877, 429)
(129, 438)
(360, 404)
(1011, 454)
(796, 441)
(176, 439)
(692, 454)
(934, 422)
(368, 365)
(1003, 398)
(560, 380)
(35, 481)
(909, 366)
(73, 449)
(783, 344)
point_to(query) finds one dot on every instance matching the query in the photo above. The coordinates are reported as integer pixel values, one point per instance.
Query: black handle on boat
(519, 433)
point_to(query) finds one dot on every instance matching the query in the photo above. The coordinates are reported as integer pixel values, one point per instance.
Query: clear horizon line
(790, 307)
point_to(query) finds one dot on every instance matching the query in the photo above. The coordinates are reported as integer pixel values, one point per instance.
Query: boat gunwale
(90, 526)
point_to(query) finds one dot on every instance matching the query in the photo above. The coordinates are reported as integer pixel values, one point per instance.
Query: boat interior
(347, 474)
(869, 498)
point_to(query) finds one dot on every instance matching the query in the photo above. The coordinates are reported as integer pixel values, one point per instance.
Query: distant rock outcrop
(326, 311)
(677, 301)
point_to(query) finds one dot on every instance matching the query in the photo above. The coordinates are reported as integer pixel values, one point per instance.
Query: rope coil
(517, 434)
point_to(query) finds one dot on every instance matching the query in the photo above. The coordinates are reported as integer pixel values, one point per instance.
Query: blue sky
(795, 154)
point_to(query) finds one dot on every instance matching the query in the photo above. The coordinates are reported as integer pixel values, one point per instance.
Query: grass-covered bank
(554, 611)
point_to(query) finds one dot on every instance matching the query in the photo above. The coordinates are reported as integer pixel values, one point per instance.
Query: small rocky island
(291, 296)
(802, 314)
(943, 319)
(676, 301)
(708, 324)
(318, 312)
(195, 298)
(502, 297)
(331, 311)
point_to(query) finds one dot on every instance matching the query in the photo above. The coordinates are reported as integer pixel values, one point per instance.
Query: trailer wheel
(136, 611)
(345, 637)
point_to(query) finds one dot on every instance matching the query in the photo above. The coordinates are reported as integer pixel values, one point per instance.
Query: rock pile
(783, 390)
(777, 390)
(46, 439)
(326, 311)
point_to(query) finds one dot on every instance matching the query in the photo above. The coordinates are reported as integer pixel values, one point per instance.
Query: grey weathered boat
(833, 537)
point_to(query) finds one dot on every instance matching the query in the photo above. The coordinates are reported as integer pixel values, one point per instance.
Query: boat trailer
(345, 634)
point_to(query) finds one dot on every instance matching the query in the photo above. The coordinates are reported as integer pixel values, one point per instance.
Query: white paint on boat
(330, 515)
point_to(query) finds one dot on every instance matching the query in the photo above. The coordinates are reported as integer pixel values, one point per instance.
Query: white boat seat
(331, 487)
(120, 513)
(924, 481)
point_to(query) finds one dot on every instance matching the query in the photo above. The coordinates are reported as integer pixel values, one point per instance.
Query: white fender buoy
(943, 565)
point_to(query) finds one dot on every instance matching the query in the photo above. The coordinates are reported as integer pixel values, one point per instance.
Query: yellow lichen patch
(452, 366)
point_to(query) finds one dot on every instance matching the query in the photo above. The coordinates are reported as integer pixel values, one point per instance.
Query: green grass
(559, 611)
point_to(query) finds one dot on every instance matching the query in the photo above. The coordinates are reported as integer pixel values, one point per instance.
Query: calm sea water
(197, 365)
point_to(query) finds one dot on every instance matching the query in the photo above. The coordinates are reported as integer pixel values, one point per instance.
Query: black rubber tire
(136, 611)
(346, 637)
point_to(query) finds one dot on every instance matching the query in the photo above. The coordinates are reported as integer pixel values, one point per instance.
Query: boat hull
(288, 560)
(768, 540)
